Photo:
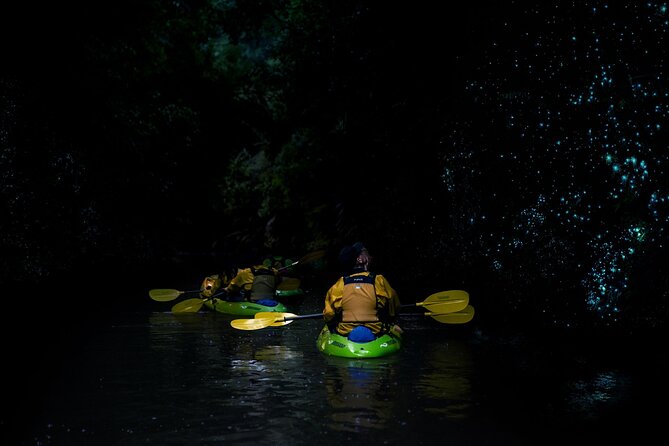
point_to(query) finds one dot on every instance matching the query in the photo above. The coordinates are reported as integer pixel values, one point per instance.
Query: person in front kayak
(257, 283)
(361, 305)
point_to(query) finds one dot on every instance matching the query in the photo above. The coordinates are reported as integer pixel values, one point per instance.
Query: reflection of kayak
(242, 308)
(335, 344)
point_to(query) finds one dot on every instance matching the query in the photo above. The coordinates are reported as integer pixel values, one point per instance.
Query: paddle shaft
(417, 304)
(429, 304)
(305, 259)
(317, 315)
(303, 316)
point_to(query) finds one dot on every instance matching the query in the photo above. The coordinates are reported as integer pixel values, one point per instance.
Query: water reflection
(277, 353)
(592, 396)
(191, 379)
(360, 392)
(444, 384)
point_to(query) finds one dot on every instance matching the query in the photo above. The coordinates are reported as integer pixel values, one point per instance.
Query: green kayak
(289, 290)
(243, 308)
(289, 296)
(334, 344)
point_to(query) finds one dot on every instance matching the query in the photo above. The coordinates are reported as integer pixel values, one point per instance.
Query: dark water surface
(151, 377)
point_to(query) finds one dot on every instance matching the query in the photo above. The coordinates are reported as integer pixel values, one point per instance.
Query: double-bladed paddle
(440, 305)
(193, 305)
(169, 294)
(189, 305)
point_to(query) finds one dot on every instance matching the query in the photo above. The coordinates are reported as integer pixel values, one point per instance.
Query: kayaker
(361, 304)
(256, 283)
(211, 284)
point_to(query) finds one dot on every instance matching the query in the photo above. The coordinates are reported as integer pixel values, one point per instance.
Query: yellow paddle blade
(460, 317)
(447, 306)
(289, 284)
(188, 306)
(445, 296)
(312, 256)
(164, 295)
(277, 316)
(252, 324)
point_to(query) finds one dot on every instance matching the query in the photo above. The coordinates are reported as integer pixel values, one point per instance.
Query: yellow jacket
(358, 303)
(256, 286)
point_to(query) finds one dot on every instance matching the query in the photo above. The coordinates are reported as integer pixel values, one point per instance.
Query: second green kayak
(243, 308)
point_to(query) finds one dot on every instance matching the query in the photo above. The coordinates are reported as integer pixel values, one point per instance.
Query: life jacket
(264, 283)
(360, 305)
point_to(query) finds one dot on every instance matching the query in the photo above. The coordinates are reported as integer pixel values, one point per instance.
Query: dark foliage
(148, 136)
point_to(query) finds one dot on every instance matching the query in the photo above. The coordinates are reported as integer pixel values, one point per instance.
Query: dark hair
(349, 254)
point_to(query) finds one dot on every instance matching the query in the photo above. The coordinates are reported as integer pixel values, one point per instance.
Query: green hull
(289, 295)
(242, 308)
(334, 344)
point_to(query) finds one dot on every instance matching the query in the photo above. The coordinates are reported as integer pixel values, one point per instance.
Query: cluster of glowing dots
(596, 96)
